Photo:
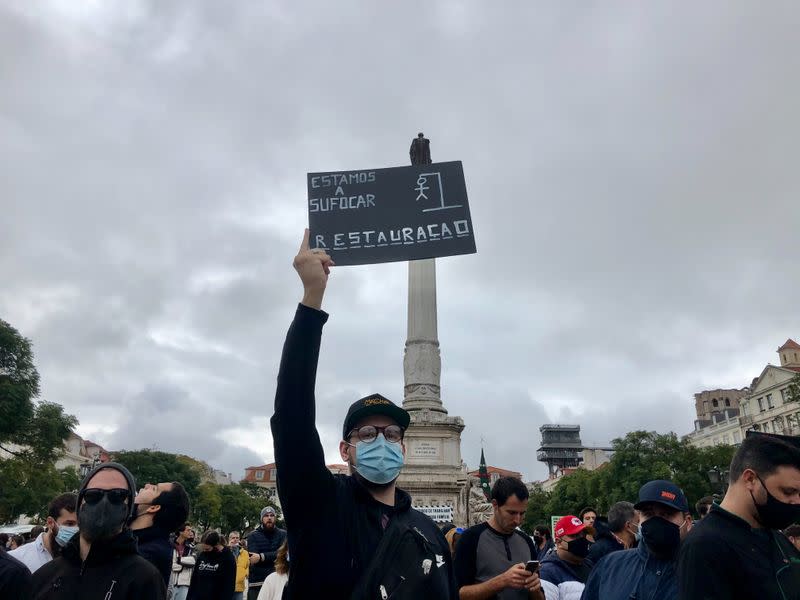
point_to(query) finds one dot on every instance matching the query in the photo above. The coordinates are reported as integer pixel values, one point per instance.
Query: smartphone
(532, 566)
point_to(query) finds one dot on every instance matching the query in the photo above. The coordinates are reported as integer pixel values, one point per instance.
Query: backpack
(405, 565)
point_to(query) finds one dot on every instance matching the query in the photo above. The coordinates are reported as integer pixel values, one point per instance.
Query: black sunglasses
(115, 496)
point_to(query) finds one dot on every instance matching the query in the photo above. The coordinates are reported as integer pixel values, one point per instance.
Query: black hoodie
(214, 576)
(112, 571)
(334, 523)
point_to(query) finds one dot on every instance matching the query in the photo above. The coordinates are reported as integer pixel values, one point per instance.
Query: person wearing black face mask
(648, 572)
(101, 561)
(736, 552)
(565, 571)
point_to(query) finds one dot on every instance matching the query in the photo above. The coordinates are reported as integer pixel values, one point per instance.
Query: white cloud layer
(631, 173)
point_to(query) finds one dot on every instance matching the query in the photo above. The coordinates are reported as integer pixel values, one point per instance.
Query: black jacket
(15, 578)
(260, 541)
(112, 571)
(723, 558)
(154, 545)
(214, 576)
(605, 543)
(334, 523)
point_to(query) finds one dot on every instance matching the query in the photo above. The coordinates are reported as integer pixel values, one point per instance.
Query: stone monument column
(422, 364)
(434, 474)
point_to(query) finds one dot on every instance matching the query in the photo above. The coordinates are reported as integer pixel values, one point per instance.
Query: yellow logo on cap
(374, 401)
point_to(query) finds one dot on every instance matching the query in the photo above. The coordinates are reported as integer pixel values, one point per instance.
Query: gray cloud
(630, 174)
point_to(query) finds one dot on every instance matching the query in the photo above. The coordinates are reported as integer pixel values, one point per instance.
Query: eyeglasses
(369, 433)
(115, 496)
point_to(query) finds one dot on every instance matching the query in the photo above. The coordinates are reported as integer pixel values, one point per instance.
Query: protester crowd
(358, 536)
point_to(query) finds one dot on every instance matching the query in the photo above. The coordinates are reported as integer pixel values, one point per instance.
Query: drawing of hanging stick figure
(421, 187)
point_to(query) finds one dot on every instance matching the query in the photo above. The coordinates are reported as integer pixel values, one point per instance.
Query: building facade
(765, 406)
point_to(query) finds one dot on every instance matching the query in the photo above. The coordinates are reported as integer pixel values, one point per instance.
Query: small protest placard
(384, 215)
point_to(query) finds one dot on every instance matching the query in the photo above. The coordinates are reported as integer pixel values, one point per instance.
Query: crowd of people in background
(110, 540)
(358, 536)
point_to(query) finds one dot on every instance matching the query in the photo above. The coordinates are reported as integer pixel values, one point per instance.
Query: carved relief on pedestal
(480, 509)
(422, 363)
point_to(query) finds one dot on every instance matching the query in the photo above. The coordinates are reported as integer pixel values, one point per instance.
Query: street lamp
(718, 477)
(87, 467)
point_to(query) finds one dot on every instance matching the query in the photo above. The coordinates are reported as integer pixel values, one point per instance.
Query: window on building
(769, 401)
(727, 401)
(714, 402)
(745, 408)
(259, 474)
(737, 438)
(705, 406)
(778, 425)
(273, 474)
(790, 422)
(784, 395)
(726, 439)
(495, 477)
(761, 404)
(756, 427)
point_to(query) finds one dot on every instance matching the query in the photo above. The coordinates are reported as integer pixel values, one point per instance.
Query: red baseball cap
(569, 525)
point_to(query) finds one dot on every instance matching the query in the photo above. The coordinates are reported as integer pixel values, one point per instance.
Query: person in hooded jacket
(214, 575)
(337, 523)
(619, 533)
(101, 562)
(649, 571)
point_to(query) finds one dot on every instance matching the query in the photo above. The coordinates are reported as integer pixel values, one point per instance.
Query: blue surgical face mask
(65, 533)
(379, 461)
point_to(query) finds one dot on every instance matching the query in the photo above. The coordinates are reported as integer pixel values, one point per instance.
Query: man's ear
(344, 451)
(749, 478)
(153, 508)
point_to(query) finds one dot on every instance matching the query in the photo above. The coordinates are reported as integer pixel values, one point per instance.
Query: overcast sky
(631, 167)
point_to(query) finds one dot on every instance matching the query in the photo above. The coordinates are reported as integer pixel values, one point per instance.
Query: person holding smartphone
(495, 559)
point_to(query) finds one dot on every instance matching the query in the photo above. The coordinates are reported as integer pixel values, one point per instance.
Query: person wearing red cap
(650, 570)
(565, 571)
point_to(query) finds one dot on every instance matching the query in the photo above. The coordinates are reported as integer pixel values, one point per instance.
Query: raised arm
(299, 458)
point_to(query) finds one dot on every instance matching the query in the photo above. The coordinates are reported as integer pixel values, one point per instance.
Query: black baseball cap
(664, 492)
(374, 404)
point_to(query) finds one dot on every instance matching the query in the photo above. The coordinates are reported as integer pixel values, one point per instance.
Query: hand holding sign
(396, 214)
(313, 267)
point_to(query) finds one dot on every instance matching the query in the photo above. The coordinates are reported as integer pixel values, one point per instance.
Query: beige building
(764, 406)
(768, 408)
(714, 402)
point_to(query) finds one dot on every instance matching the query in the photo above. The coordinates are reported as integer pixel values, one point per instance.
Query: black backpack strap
(398, 524)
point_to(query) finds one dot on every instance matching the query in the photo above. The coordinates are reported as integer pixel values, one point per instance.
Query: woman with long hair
(275, 582)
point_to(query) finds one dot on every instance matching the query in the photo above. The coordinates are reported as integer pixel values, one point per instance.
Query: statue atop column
(420, 150)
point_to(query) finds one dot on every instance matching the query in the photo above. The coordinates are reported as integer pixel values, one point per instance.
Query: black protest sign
(384, 215)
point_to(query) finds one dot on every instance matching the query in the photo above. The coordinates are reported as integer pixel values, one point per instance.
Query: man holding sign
(350, 536)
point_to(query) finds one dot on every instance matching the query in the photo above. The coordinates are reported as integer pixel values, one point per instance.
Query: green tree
(154, 466)
(70, 479)
(19, 382)
(639, 457)
(537, 512)
(794, 389)
(32, 434)
(206, 508)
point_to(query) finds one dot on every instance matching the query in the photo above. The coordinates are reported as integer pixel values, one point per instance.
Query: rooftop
(790, 344)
